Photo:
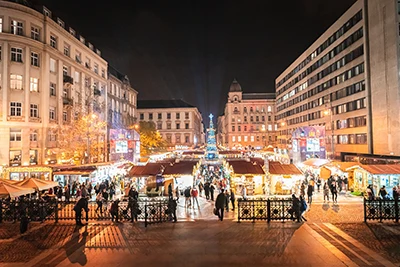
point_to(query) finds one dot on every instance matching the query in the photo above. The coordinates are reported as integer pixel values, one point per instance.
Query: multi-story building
(347, 81)
(248, 120)
(178, 122)
(48, 74)
(121, 103)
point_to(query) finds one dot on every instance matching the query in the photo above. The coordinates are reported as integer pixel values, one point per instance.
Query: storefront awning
(72, 173)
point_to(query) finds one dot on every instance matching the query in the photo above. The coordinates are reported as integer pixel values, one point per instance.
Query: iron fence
(265, 210)
(148, 211)
(381, 209)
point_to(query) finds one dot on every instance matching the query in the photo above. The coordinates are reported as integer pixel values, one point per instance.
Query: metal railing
(265, 210)
(149, 211)
(381, 209)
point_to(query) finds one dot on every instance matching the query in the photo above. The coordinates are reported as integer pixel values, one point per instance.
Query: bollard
(145, 214)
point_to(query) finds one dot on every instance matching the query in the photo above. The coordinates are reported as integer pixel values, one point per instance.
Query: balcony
(68, 79)
(68, 101)
(96, 92)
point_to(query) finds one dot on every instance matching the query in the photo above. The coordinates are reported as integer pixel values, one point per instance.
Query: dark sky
(194, 49)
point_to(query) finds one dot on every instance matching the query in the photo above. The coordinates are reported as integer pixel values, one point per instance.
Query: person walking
(114, 210)
(187, 197)
(172, 209)
(67, 193)
(220, 204)
(207, 190)
(370, 192)
(227, 198)
(334, 192)
(105, 199)
(303, 208)
(195, 193)
(99, 202)
(310, 191)
(170, 195)
(212, 188)
(81, 204)
(244, 192)
(177, 194)
(295, 212)
(232, 199)
(134, 207)
(318, 183)
(383, 193)
(326, 192)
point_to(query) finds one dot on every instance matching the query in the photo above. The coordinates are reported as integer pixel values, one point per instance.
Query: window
(239, 139)
(168, 116)
(72, 31)
(16, 27)
(233, 139)
(34, 85)
(245, 128)
(186, 125)
(16, 54)
(178, 116)
(16, 81)
(52, 114)
(245, 138)
(168, 126)
(65, 116)
(251, 118)
(178, 126)
(15, 109)
(141, 116)
(233, 128)
(53, 41)
(257, 118)
(53, 65)
(15, 135)
(269, 127)
(239, 128)
(67, 50)
(151, 116)
(33, 137)
(78, 57)
(159, 116)
(53, 89)
(159, 125)
(65, 70)
(178, 138)
(187, 139)
(269, 109)
(34, 111)
(87, 63)
(186, 115)
(35, 59)
(96, 68)
(1, 24)
(252, 138)
(60, 22)
(103, 73)
(35, 33)
(52, 137)
(262, 118)
(245, 119)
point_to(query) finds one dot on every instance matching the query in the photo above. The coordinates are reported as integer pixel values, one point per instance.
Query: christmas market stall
(283, 179)
(143, 178)
(342, 169)
(19, 173)
(180, 174)
(387, 175)
(248, 174)
(68, 174)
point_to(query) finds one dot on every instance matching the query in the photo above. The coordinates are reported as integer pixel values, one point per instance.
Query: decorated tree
(211, 149)
(84, 137)
(150, 138)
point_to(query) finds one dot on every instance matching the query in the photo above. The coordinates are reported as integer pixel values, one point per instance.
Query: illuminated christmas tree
(211, 150)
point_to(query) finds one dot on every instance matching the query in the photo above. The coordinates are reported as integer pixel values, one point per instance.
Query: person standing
(295, 212)
(220, 204)
(187, 197)
(232, 199)
(318, 183)
(207, 190)
(81, 204)
(177, 194)
(195, 193)
(244, 192)
(383, 193)
(326, 192)
(370, 192)
(172, 209)
(105, 199)
(303, 208)
(212, 188)
(170, 195)
(394, 192)
(99, 201)
(227, 198)
(334, 192)
(114, 210)
(310, 190)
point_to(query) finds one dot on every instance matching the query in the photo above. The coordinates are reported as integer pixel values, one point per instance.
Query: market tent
(380, 169)
(180, 168)
(37, 184)
(277, 168)
(9, 190)
(8, 181)
(315, 162)
(246, 167)
(150, 169)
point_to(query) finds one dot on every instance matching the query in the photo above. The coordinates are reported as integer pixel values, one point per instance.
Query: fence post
(1, 211)
(396, 208)
(160, 212)
(365, 210)
(380, 210)
(253, 211)
(145, 214)
(268, 211)
(56, 211)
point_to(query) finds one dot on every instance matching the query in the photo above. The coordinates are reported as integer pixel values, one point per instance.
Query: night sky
(194, 49)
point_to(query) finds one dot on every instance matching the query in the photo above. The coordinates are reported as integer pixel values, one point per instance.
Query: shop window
(15, 157)
(33, 157)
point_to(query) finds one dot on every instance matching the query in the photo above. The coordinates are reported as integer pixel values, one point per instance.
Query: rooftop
(174, 103)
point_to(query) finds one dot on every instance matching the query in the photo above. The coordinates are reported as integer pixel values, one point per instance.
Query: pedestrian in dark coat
(220, 204)
(227, 198)
(207, 190)
(170, 195)
(114, 210)
(172, 209)
(81, 204)
(295, 212)
(233, 199)
(212, 188)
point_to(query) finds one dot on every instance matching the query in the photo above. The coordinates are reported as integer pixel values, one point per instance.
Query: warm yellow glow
(283, 123)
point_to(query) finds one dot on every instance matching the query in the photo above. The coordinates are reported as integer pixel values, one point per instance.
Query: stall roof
(343, 166)
(382, 169)
(72, 172)
(246, 167)
(314, 162)
(150, 169)
(193, 153)
(258, 160)
(283, 169)
(228, 152)
(180, 168)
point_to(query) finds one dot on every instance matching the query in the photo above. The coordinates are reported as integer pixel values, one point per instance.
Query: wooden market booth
(19, 173)
(343, 169)
(283, 179)
(248, 174)
(377, 176)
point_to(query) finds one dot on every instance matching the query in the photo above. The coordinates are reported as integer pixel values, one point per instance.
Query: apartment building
(178, 122)
(348, 82)
(248, 120)
(48, 74)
